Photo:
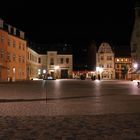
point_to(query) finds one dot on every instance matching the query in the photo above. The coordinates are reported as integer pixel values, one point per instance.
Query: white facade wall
(105, 61)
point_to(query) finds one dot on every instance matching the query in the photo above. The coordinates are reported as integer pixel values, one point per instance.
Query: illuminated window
(126, 60)
(118, 60)
(2, 54)
(121, 59)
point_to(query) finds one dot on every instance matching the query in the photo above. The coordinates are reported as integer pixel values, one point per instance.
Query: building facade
(135, 43)
(50, 64)
(122, 68)
(59, 65)
(19, 62)
(105, 62)
(13, 49)
(33, 64)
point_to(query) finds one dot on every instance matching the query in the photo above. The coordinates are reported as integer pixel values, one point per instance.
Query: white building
(50, 64)
(105, 62)
(59, 65)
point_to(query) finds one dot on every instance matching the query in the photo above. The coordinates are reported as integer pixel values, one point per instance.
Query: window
(9, 42)
(8, 57)
(14, 43)
(39, 60)
(19, 59)
(67, 60)
(2, 54)
(109, 57)
(102, 58)
(118, 60)
(23, 60)
(61, 60)
(2, 38)
(14, 57)
(19, 45)
(23, 46)
(51, 61)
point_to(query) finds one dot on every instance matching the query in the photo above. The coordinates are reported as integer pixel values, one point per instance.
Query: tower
(135, 38)
(92, 56)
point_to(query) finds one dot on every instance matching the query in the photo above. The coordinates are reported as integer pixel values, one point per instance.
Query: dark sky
(72, 22)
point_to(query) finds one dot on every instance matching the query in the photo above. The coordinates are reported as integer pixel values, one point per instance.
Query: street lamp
(135, 65)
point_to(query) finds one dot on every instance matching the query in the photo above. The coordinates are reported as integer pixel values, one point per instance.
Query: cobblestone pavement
(73, 119)
(88, 127)
(113, 115)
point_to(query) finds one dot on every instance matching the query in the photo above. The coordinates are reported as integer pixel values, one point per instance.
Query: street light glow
(99, 69)
(44, 71)
(56, 67)
(135, 65)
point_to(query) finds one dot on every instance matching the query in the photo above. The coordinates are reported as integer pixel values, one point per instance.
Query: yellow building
(32, 64)
(123, 67)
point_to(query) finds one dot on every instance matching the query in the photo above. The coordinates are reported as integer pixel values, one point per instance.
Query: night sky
(72, 22)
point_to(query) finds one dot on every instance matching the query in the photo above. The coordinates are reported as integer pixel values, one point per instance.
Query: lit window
(121, 59)
(2, 54)
(118, 60)
(125, 59)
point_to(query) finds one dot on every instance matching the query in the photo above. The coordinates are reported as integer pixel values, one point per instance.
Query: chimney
(14, 31)
(1, 23)
(9, 28)
(22, 34)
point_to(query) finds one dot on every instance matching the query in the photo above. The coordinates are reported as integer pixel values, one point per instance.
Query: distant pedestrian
(98, 76)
